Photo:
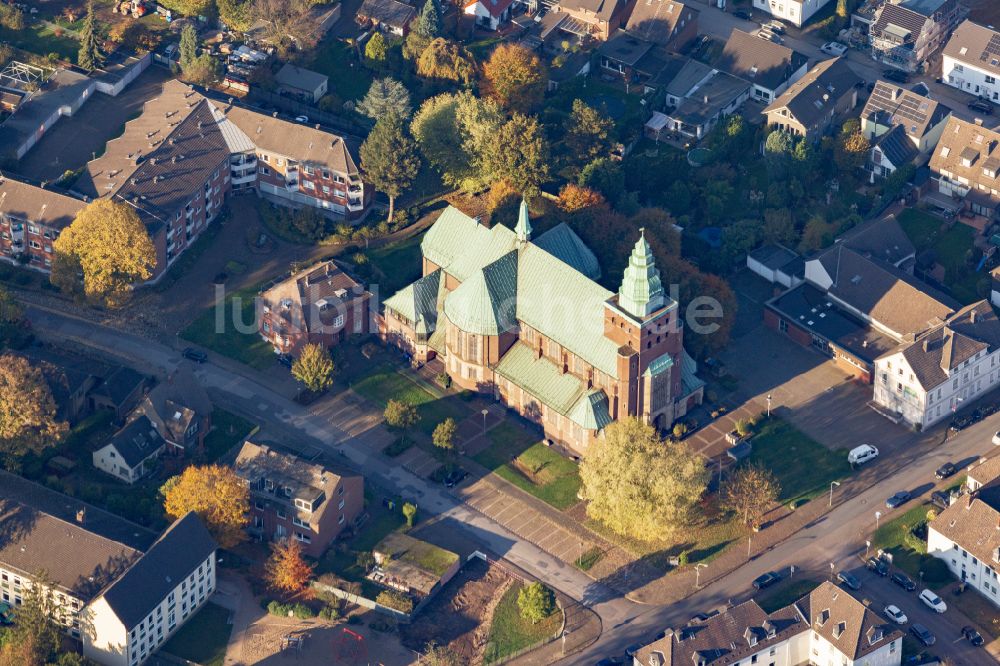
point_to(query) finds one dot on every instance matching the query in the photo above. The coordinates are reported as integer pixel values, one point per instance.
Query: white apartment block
(971, 61)
(796, 12)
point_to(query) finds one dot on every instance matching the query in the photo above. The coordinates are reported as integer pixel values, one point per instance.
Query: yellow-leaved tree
(217, 494)
(27, 411)
(108, 245)
(286, 569)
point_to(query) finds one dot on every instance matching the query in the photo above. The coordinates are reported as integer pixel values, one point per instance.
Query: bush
(396, 600)
(302, 611)
(443, 379)
(280, 609)
(330, 613)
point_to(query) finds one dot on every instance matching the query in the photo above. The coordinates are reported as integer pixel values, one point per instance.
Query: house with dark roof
(695, 111)
(579, 20)
(769, 67)
(180, 411)
(120, 390)
(293, 498)
(905, 34)
(966, 535)
(301, 82)
(966, 166)
(132, 452)
(522, 319)
(811, 105)
(777, 264)
(667, 23)
(390, 16)
(920, 118)
(889, 152)
(137, 613)
(828, 621)
(971, 60)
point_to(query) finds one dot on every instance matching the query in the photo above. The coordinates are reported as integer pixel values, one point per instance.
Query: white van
(862, 454)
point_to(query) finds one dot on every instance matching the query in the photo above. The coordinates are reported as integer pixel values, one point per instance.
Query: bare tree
(285, 20)
(750, 493)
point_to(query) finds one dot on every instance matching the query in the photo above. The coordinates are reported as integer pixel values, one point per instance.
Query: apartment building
(321, 304)
(905, 34)
(796, 12)
(298, 499)
(825, 627)
(971, 60)
(30, 219)
(966, 164)
(135, 615)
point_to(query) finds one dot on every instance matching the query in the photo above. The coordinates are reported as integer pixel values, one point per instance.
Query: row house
(971, 61)
(770, 68)
(31, 218)
(809, 107)
(299, 499)
(796, 12)
(901, 125)
(966, 166)
(524, 320)
(906, 34)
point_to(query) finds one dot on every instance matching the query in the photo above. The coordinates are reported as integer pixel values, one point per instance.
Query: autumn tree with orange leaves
(287, 570)
(515, 77)
(217, 494)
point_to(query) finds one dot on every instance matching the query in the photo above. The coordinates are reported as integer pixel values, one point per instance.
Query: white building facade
(969, 63)
(796, 12)
(980, 575)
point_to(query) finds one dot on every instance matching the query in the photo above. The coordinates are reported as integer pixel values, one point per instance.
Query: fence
(364, 602)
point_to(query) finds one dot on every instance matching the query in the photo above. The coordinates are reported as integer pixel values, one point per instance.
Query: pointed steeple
(523, 228)
(641, 292)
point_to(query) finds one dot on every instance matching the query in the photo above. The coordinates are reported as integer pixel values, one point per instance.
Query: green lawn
(385, 383)
(921, 227)
(350, 79)
(41, 41)
(227, 430)
(420, 553)
(510, 632)
(950, 247)
(396, 265)
(518, 457)
(222, 336)
(344, 563)
(203, 639)
(785, 593)
(804, 467)
(909, 551)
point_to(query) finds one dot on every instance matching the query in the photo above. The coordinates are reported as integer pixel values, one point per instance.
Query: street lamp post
(868, 544)
(697, 574)
(831, 571)
(485, 412)
(768, 405)
(749, 539)
(878, 514)
(833, 484)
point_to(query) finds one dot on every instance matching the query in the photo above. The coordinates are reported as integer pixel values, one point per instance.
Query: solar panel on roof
(992, 49)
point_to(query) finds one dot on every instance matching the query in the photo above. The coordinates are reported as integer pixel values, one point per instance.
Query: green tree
(436, 128)
(444, 435)
(377, 49)
(448, 61)
(588, 133)
(235, 13)
(389, 158)
(515, 77)
(109, 245)
(517, 153)
(203, 70)
(842, 9)
(34, 626)
(429, 22)
(314, 368)
(750, 493)
(639, 485)
(536, 602)
(89, 56)
(606, 176)
(28, 422)
(439, 655)
(385, 96)
(410, 513)
(11, 317)
(188, 49)
(851, 151)
(189, 7)
(12, 18)
(401, 415)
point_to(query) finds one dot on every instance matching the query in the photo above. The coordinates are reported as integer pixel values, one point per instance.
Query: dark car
(972, 636)
(286, 360)
(455, 477)
(740, 451)
(850, 580)
(766, 580)
(611, 661)
(922, 634)
(940, 499)
(944, 471)
(896, 75)
(193, 354)
(898, 499)
(743, 14)
(878, 566)
(903, 581)
(981, 105)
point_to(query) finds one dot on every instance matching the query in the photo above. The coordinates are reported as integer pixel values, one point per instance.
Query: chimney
(972, 316)
(979, 122)
(81, 515)
(927, 345)
(896, 94)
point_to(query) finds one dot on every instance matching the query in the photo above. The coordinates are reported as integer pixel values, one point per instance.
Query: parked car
(849, 579)
(904, 581)
(878, 566)
(743, 14)
(896, 76)
(940, 499)
(775, 27)
(302, 119)
(922, 634)
(766, 580)
(972, 636)
(859, 455)
(996, 438)
(981, 105)
(834, 48)
(455, 477)
(933, 601)
(895, 614)
(770, 36)
(286, 360)
(898, 498)
(195, 355)
(944, 471)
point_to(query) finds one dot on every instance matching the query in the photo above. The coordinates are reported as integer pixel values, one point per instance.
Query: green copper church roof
(591, 411)
(641, 292)
(418, 300)
(484, 304)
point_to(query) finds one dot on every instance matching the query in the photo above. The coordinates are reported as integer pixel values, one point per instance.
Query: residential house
(413, 567)
(298, 499)
(390, 16)
(80, 547)
(321, 304)
(769, 67)
(698, 109)
(971, 60)
(302, 83)
(901, 125)
(826, 626)
(810, 105)
(667, 23)
(579, 20)
(625, 55)
(955, 361)
(489, 14)
(71, 381)
(905, 34)
(119, 391)
(965, 536)
(965, 165)
(180, 411)
(777, 264)
(31, 218)
(523, 320)
(796, 12)
(132, 453)
(136, 614)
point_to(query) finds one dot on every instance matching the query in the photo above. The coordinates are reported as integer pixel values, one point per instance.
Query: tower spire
(523, 228)
(641, 292)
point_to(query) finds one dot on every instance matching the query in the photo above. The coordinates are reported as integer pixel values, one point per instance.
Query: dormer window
(288, 491)
(839, 630)
(304, 505)
(945, 151)
(823, 617)
(751, 636)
